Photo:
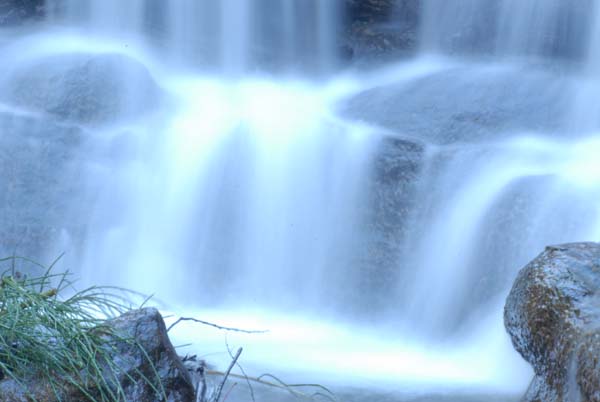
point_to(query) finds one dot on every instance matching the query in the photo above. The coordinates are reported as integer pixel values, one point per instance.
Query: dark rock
(552, 315)
(392, 189)
(150, 356)
(390, 186)
(15, 12)
(147, 327)
(84, 88)
(377, 30)
(466, 105)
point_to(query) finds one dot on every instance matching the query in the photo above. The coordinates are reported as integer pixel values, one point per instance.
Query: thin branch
(280, 384)
(180, 319)
(220, 389)
(242, 370)
(259, 381)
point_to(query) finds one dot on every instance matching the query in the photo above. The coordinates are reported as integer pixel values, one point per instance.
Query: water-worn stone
(395, 172)
(151, 355)
(466, 104)
(14, 12)
(381, 29)
(553, 317)
(83, 88)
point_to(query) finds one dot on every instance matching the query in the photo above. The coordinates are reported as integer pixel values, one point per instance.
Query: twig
(220, 389)
(242, 370)
(180, 319)
(258, 381)
(281, 385)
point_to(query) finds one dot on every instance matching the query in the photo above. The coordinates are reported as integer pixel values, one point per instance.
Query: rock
(392, 192)
(377, 30)
(83, 88)
(466, 105)
(14, 12)
(372, 267)
(147, 327)
(552, 315)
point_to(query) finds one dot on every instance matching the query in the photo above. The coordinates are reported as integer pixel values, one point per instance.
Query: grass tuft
(62, 342)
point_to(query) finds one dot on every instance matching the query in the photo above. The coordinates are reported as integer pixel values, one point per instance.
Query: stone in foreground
(156, 357)
(553, 317)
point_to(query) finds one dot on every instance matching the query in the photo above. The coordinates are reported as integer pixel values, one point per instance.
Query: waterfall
(214, 153)
(231, 35)
(507, 27)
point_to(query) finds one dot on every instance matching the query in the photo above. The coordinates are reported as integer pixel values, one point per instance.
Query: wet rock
(14, 12)
(377, 30)
(83, 88)
(147, 327)
(393, 179)
(466, 104)
(553, 317)
(151, 356)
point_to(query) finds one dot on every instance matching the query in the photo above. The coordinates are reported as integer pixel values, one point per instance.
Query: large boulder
(553, 317)
(82, 87)
(466, 104)
(151, 355)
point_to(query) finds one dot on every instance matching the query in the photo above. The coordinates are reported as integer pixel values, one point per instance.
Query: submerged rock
(553, 317)
(151, 355)
(83, 88)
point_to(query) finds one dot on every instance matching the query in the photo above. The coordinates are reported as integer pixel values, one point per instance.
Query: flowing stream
(371, 220)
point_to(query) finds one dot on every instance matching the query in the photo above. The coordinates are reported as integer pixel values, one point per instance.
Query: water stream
(372, 220)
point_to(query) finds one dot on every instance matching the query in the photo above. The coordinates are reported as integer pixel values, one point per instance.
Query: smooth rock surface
(466, 104)
(553, 317)
(82, 88)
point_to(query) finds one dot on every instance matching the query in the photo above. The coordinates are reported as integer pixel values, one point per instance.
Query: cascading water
(231, 36)
(373, 220)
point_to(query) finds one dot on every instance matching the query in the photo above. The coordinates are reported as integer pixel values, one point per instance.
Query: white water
(247, 200)
(231, 36)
